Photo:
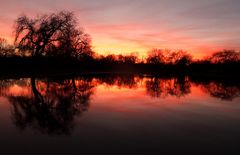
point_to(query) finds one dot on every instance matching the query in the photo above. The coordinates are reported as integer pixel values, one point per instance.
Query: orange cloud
(133, 37)
(137, 26)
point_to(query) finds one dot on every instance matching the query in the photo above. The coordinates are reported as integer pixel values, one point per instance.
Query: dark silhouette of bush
(169, 57)
(155, 56)
(127, 59)
(226, 56)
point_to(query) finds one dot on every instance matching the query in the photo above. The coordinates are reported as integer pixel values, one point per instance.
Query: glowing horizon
(124, 27)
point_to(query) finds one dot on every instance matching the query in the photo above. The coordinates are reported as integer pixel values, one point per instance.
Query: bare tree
(56, 33)
(155, 56)
(225, 56)
(128, 59)
(180, 58)
(166, 56)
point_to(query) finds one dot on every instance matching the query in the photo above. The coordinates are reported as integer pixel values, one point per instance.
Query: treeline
(173, 57)
(154, 57)
(54, 41)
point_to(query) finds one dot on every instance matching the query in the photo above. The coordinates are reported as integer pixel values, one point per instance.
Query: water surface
(120, 113)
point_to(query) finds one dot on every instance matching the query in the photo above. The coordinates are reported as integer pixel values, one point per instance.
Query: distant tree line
(58, 36)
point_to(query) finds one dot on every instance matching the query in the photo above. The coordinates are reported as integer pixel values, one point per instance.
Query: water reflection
(123, 81)
(224, 89)
(51, 105)
(157, 87)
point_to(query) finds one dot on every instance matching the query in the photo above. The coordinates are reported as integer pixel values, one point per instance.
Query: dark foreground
(119, 114)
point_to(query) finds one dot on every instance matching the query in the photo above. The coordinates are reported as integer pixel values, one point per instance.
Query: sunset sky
(125, 26)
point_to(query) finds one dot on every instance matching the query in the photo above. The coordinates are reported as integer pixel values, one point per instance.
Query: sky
(129, 26)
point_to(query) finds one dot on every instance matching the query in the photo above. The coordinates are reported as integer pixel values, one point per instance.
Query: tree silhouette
(155, 56)
(177, 57)
(128, 59)
(226, 56)
(180, 58)
(56, 33)
(109, 59)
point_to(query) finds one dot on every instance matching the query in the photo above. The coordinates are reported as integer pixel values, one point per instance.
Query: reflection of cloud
(16, 90)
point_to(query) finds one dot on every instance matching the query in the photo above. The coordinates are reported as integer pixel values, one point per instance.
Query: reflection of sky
(119, 118)
(2, 100)
(137, 25)
(135, 101)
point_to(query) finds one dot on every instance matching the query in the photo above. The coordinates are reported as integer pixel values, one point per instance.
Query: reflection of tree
(124, 81)
(127, 81)
(52, 106)
(222, 91)
(157, 87)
